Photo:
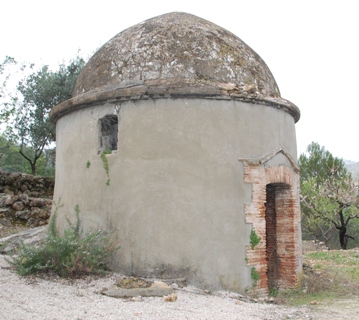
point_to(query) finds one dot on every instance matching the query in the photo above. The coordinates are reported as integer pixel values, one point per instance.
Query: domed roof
(175, 55)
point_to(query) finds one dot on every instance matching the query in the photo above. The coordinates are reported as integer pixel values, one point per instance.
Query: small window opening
(108, 132)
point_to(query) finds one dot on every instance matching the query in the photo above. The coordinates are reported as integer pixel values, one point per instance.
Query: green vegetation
(329, 198)
(319, 162)
(105, 163)
(73, 254)
(337, 263)
(5, 75)
(254, 239)
(12, 161)
(255, 276)
(26, 108)
(88, 163)
(273, 292)
(328, 275)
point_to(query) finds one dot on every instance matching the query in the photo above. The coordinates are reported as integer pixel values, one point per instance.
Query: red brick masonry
(284, 249)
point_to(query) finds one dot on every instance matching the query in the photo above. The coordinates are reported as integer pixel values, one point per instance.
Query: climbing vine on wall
(105, 163)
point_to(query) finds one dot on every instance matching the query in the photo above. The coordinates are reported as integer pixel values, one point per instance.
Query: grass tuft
(328, 275)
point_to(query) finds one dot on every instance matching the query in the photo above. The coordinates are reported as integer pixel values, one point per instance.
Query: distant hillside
(353, 168)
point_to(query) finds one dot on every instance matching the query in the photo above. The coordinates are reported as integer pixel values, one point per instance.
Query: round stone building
(178, 139)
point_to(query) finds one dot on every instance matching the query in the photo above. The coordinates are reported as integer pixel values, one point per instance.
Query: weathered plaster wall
(177, 193)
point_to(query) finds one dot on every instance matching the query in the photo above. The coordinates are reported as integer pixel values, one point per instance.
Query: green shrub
(73, 254)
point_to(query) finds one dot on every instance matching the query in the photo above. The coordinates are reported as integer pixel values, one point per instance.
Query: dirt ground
(55, 298)
(341, 310)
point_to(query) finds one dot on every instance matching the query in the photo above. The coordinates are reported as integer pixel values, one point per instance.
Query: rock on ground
(29, 236)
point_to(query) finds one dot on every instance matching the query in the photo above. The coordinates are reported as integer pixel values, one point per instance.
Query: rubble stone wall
(25, 199)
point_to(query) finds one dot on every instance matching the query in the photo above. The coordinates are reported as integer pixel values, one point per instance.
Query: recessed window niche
(108, 130)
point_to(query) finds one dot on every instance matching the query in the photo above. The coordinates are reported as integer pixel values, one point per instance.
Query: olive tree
(36, 93)
(5, 75)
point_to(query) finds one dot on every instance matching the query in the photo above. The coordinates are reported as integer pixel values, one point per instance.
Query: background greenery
(24, 112)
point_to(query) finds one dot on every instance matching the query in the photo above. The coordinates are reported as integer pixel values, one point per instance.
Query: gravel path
(34, 298)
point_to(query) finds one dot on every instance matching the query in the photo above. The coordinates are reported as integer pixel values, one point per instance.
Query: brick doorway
(277, 198)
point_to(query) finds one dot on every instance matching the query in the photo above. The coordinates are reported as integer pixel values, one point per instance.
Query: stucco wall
(177, 192)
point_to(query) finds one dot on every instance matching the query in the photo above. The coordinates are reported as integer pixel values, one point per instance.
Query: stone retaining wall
(25, 198)
(33, 186)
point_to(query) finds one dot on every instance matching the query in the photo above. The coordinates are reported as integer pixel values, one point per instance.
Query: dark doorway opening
(276, 209)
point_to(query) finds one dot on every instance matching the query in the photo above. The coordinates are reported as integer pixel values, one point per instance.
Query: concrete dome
(175, 55)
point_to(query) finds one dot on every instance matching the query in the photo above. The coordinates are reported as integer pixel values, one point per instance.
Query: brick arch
(279, 174)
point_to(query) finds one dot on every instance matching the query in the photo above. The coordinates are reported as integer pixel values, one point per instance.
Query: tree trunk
(32, 163)
(342, 237)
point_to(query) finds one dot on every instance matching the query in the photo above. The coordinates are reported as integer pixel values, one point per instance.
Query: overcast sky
(311, 47)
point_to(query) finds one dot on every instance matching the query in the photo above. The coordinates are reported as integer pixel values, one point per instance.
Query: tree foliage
(12, 161)
(39, 90)
(5, 75)
(329, 196)
(318, 162)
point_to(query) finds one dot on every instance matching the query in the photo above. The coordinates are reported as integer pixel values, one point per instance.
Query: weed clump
(72, 254)
(254, 239)
(255, 275)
